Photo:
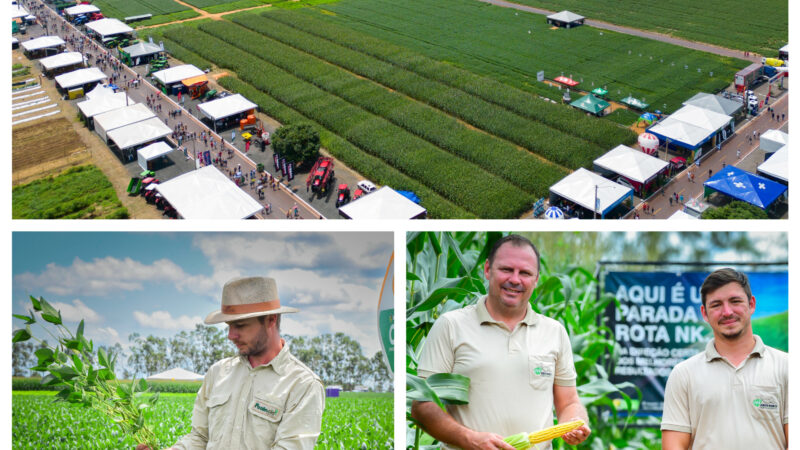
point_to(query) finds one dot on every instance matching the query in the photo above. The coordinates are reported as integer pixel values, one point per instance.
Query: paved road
(282, 200)
(636, 32)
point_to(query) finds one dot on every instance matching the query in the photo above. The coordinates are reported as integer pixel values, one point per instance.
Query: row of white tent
(775, 144)
(116, 118)
(599, 194)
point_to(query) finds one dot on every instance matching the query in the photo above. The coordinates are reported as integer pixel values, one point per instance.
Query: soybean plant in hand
(87, 377)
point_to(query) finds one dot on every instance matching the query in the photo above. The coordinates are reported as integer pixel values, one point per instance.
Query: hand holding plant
(87, 377)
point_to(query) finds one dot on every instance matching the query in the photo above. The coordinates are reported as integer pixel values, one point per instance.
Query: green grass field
(761, 27)
(513, 46)
(774, 330)
(82, 192)
(352, 421)
(120, 10)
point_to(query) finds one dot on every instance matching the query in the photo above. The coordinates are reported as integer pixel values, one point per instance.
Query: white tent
(99, 91)
(18, 11)
(675, 130)
(631, 164)
(118, 118)
(176, 374)
(207, 193)
(680, 215)
(777, 165)
(177, 74)
(691, 125)
(579, 187)
(565, 16)
(142, 49)
(772, 140)
(139, 133)
(42, 43)
(385, 203)
(61, 60)
(707, 119)
(81, 9)
(151, 152)
(108, 27)
(715, 103)
(80, 77)
(226, 107)
(103, 103)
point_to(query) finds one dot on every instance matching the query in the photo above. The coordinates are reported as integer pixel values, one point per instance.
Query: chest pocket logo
(267, 410)
(542, 370)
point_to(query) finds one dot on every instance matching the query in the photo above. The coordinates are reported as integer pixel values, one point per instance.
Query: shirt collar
(278, 363)
(531, 318)
(712, 353)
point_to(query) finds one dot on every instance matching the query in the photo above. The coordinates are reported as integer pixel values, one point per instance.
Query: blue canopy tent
(745, 186)
(410, 195)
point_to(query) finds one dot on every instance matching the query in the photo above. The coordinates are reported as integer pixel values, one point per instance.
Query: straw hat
(243, 298)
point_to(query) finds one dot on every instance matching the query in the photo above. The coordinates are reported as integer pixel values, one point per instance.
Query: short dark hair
(515, 240)
(721, 277)
(261, 320)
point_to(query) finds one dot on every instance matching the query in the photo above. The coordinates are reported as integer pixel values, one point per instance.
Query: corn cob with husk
(524, 441)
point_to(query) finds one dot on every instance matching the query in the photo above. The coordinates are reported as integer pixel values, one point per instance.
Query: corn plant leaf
(451, 388)
(418, 389)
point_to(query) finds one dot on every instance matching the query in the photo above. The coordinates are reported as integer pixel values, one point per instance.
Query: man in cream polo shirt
(264, 398)
(519, 362)
(733, 395)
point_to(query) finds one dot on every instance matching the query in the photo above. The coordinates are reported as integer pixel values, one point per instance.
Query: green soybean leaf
(37, 305)
(79, 332)
(28, 319)
(21, 335)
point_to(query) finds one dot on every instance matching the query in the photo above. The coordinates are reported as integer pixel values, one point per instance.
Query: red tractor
(321, 176)
(343, 195)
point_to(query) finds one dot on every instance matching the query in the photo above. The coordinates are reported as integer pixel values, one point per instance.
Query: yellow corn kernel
(553, 432)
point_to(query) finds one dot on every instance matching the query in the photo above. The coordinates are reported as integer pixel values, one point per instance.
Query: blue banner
(659, 324)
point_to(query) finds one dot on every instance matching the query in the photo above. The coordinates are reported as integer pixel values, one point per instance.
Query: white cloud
(163, 320)
(297, 328)
(77, 311)
(295, 250)
(307, 288)
(102, 276)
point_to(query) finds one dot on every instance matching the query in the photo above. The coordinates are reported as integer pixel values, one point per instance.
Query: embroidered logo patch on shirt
(265, 409)
(765, 404)
(542, 372)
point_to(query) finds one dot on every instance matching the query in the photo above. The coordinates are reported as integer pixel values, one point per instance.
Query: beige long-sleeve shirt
(274, 406)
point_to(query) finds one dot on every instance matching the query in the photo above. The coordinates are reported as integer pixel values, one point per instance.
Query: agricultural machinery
(321, 175)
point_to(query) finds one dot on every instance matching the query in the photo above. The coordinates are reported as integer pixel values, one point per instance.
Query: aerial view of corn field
(615, 297)
(121, 370)
(471, 109)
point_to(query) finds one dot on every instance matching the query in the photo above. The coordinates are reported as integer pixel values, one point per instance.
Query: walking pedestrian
(709, 173)
(738, 153)
(670, 201)
(681, 199)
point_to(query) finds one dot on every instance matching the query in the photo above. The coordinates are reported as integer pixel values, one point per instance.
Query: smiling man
(264, 398)
(733, 395)
(519, 362)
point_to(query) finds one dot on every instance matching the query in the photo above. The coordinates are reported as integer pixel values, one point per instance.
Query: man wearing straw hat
(264, 397)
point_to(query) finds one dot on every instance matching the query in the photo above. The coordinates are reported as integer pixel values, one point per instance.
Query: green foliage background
(352, 421)
(82, 192)
(444, 272)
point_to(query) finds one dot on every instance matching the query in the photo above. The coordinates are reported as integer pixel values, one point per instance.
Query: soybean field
(352, 421)
(761, 28)
(162, 10)
(513, 46)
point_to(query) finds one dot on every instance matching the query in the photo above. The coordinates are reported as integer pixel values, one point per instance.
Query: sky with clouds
(163, 283)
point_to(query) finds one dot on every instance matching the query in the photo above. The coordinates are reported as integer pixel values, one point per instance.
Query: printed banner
(659, 324)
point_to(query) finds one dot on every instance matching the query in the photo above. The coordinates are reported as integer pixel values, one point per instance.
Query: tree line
(336, 358)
